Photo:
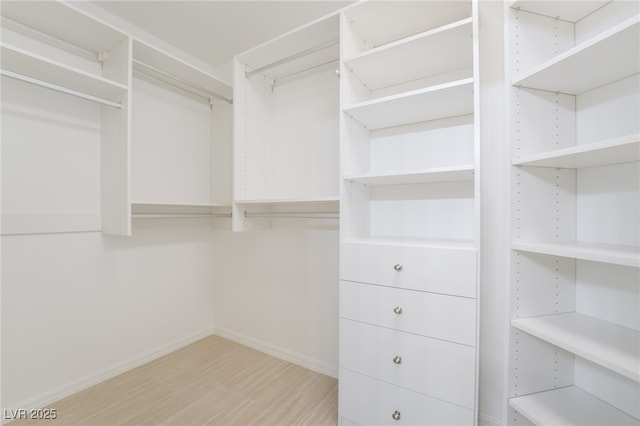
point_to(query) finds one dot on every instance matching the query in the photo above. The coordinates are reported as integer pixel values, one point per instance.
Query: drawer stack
(409, 213)
(407, 334)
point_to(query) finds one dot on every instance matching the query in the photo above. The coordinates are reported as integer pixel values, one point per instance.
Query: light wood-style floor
(211, 382)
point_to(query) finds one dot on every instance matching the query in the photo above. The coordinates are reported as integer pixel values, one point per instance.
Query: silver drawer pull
(396, 415)
(397, 310)
(398, 266)
(397, 359)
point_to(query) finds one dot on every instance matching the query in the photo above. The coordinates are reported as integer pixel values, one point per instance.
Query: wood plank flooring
(211, 382)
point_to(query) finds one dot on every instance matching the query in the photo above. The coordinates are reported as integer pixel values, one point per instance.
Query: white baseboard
(67, 389)
(280, 352)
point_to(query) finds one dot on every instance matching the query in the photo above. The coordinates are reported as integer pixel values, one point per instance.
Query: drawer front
(435, 315)
(433, 367)
(439, 270)
(367, 401)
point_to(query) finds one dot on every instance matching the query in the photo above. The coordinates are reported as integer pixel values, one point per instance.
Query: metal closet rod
(58, 88)
(293, 57)
(180, 215)
(201, 90)
(292, 215)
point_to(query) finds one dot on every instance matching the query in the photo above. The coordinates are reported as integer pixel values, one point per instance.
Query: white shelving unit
(55, 46)
(286, 127)
(58, 47)
(575, 310)
(408, 212)
(183, 115)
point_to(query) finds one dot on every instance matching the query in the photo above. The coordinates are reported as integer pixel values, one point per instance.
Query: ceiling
(214, 31)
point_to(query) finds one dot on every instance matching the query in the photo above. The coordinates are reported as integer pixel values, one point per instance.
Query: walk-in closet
(407, 212)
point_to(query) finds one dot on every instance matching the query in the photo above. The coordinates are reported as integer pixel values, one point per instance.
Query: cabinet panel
(433, 315)
(439, 270)
(357, 391)
(433, 367)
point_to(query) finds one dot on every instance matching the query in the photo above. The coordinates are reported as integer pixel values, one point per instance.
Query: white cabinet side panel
(536, 366)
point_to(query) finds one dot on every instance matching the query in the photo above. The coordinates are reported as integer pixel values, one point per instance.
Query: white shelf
(287, 54)
(567, 72)
(63, 22)
(397, 62)
(606, 253)
(40, 68)
(612, 346)
(442, 174)
(414, 242)
(174, 204)
(328, 201)
(431, 103)
(569, 406)
(179, 69)
(612, 151)
(571, 11)
(373, 20)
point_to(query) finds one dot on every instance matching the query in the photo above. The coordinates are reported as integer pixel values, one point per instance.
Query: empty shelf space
(612, 151)
(606, 253)
(328, 201)
(571, 11)
(442, 174)
(569, 406)
(177, 204)
(372, 20)
(163, 65)
(397, 62)
(36, 67)
(609, 345)
(430, 103)
(616, 47)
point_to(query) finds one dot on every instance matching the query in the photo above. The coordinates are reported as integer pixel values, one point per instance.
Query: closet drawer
(367, 401)
(439, 270)
(435, 315)
(433, 367)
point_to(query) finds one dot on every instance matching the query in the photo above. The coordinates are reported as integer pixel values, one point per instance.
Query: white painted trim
(62, 391)
(280, 352)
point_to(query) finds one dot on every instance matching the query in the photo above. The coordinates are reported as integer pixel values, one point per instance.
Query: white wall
(79, 307)
(277, 290)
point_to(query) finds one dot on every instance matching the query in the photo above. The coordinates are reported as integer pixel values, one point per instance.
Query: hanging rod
(293, 57)
(201, 90)
(179, 215)
(292, 215)
(297, 73)
(58, 88)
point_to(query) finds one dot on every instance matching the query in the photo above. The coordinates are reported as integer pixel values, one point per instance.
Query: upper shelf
(442, 174)
(571, 11)
(312, 45)
(166, 64)
(581, 69)
(397, 62)
(33, 66)
(606, 253)
(63, 22)
(612, 346)
(612, 151)
(371, 19)
(569, 406)
(431, 103)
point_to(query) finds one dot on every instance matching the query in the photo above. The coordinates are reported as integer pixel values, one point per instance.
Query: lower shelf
(609, 345)
(569, 406)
